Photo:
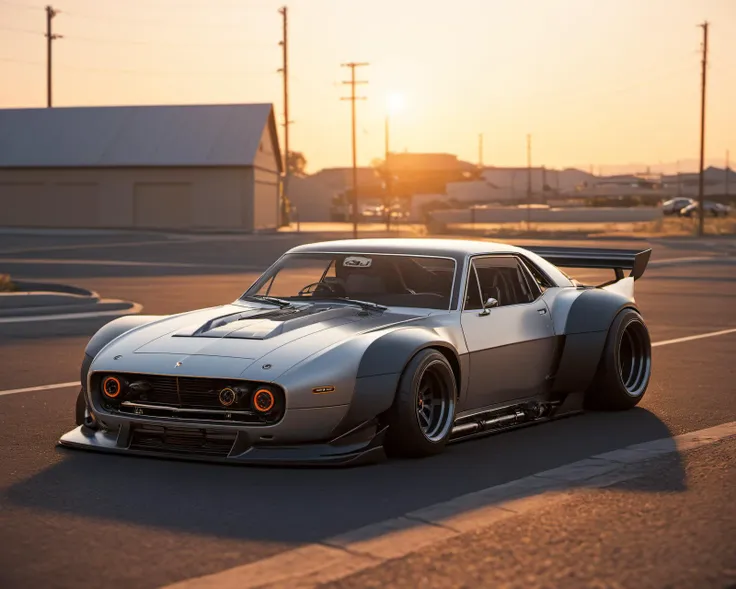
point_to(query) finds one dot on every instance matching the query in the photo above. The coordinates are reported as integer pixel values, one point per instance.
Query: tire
(80, 408)
(416, 428)
(625, 366)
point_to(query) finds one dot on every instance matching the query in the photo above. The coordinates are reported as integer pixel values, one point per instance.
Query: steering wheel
(315, 288)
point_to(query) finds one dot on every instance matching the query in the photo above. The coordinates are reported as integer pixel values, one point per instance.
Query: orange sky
(595, 82)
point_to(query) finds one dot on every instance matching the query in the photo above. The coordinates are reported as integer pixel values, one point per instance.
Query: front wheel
(421, 418)
(625, 367)
(80, 408)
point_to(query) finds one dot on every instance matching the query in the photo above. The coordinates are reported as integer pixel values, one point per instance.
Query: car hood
(235, 336)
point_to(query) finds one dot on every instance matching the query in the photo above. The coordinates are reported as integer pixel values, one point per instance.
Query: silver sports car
(346, 351)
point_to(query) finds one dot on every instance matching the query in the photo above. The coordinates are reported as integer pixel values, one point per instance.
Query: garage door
(162, 205)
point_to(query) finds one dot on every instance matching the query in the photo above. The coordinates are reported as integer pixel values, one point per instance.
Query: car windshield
(390, 280)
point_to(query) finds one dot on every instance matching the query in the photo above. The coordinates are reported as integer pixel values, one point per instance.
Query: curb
(11, 302)
(114, 310)
(338, 557)
(51, 301)
(54, 287)
(83, 306)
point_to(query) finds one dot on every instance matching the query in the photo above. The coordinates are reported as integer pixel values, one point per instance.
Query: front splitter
(362, 447)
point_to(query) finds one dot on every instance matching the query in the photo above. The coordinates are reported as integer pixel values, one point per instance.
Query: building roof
(342, 178)
(423, 161)
(122, 136)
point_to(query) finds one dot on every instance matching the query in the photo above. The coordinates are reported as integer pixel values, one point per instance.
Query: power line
(19, 5)
(352, 98)
(17, 30)
(22, 61)
(108, 40)
(117, 17)
(108, 70)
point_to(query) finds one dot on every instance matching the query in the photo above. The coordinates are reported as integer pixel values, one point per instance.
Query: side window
(541, 281)
(503, 278)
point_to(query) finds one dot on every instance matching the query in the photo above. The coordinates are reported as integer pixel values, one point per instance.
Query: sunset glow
(595, 83)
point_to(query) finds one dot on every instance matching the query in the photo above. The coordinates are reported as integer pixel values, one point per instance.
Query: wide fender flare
(106, 334)
(381, 367)
(586, 329)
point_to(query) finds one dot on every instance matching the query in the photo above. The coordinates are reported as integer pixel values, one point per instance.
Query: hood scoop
(264, 324)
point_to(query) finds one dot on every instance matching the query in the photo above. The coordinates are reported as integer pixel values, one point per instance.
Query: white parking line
(690, 338)
(654, 345)
(78, 262)
(672, 261)
(339, 557)
(46, 387)
(94, 246)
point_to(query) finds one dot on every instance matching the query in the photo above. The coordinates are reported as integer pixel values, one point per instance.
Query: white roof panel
(187, 135)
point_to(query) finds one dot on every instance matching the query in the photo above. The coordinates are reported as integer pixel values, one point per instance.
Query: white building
(163, 167)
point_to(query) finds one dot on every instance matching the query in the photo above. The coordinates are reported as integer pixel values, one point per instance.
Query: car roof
(451, 248)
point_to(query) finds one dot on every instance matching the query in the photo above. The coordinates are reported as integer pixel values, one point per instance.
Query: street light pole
(387, 175)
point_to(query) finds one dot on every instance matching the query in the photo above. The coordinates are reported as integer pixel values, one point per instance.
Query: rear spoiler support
(583, 257)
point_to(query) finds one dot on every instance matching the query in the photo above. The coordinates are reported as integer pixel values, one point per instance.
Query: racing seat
(364, 283)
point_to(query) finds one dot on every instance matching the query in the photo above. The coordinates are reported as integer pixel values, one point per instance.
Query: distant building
(324, 194)
(162, 167)
(426, 173)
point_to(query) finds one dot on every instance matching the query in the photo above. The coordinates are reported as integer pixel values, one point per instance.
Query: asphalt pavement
(71, 518)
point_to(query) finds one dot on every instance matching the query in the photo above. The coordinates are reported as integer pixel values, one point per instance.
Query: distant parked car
(714, 209)
(675, 205)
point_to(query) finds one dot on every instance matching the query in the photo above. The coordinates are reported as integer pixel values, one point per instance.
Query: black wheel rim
(435, 401)
(634, 358)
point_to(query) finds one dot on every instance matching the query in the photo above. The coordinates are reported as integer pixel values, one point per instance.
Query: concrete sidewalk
(676, 523)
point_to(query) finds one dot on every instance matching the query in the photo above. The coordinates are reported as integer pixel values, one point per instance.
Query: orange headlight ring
(119, 384)
(269, 397)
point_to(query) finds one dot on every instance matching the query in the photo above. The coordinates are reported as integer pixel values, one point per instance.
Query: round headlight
(227, 397)
(112, 387)
(263, 400)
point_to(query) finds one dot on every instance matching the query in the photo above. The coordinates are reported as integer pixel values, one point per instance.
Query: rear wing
(584, 257)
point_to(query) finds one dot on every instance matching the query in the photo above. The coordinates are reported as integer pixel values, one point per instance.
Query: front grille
(181, 441)
(188, 398)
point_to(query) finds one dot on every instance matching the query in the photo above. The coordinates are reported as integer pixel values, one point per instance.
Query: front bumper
(362, 445)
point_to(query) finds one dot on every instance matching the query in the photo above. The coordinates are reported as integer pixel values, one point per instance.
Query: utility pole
(544, 183)
(283, 11)
(528, 182)
(480, 150)
(387, 178)
(728, 172)
(702, 128)
(679, 180)
(50, 37)
(352, 98)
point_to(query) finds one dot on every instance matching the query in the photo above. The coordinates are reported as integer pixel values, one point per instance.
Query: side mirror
(488, 305)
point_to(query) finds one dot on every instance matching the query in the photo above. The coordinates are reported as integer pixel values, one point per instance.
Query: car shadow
(304, 505)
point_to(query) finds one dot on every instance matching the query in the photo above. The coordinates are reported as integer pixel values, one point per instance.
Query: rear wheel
(420, 420)
(626, 366)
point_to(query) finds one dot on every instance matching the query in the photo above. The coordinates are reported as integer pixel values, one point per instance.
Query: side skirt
(511, 417)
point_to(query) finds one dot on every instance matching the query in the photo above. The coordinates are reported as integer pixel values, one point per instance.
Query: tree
(296, 163)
